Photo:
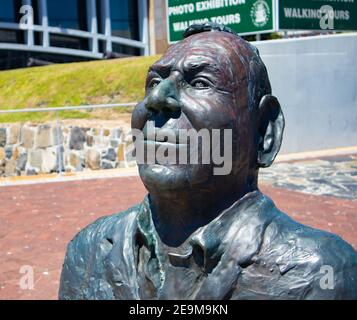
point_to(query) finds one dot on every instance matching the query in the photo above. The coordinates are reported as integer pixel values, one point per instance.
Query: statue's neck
(178, 214)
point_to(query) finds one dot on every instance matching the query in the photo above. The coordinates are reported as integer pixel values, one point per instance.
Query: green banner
(318, 14)
(243, 16)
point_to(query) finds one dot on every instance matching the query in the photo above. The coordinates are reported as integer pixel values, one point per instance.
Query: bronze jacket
(250, 251)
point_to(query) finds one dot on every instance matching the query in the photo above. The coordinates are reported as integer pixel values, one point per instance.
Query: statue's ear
(270, 130)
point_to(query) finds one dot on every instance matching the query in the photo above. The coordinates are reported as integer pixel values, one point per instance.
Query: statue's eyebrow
(163, 69)
(195, 66)
(198, 66)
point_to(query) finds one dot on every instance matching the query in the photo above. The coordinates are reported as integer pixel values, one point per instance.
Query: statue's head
(212, 79)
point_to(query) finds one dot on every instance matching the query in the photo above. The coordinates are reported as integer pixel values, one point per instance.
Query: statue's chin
(172, 177)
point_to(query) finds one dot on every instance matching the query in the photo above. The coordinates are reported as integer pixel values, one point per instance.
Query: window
(124, 18)
(10, 12)
(7, 12)
(70, 14)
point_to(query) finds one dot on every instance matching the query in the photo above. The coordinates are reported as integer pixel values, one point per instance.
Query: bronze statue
(197, 235)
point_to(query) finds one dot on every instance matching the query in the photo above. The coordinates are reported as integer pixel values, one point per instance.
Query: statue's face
(200, 82)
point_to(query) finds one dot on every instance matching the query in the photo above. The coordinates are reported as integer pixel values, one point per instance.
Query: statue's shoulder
(86, 252)
(312, 255)
(105, 226)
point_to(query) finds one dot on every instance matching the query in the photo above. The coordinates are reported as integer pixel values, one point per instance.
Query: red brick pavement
(37, 221)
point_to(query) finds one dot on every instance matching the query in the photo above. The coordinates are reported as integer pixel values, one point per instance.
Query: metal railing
(65, 108)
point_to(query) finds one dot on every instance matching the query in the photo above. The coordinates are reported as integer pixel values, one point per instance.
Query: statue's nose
(164, 97)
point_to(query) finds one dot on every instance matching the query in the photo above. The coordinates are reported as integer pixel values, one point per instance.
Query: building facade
(79, 30)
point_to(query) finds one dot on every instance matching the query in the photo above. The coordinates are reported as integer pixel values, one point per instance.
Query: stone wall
(29, 149)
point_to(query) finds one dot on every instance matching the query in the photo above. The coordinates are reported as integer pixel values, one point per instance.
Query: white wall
(315, 80)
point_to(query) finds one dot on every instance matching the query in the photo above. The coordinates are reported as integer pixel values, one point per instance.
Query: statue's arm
(79, 263)
(74, 273)
(337, 274)
(350, 282)
(84, 272)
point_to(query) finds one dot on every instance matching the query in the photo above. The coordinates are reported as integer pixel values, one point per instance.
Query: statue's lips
(163, 136)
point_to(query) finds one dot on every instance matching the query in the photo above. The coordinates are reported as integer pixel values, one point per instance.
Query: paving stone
(106, 132)
(101, 142)
(92, 159)
(130, 153)
(96, 131)
(116, 133)
(90, 140)
(73, 159)
(8, 152)
(15, 153)
(27, 136)
(43, 160)
(114, 143)
(334, 176)
(76, 161)
(105, 164)
(121, 164)
(77, 139)
(121, 152)
(2, 137)
(21, 161)
(32, 171)
(10, 168)
(35, 159)
(13, 133)
(2, 167)
(43, 137)
(49, 163)
(110, 154)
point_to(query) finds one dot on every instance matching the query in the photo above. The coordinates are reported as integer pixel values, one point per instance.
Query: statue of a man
(198, 235)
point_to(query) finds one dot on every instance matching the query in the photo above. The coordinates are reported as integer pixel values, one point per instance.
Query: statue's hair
(208, 26)
(258, 80)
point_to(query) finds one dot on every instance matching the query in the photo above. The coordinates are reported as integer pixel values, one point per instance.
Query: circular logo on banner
(260, 13)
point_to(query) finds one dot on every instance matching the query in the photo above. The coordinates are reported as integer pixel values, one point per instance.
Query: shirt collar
(240, 226)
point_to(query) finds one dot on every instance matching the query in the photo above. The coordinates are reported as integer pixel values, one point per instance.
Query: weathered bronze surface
(197, 235)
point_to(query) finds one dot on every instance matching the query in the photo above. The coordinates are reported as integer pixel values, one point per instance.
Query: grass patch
(94, 82)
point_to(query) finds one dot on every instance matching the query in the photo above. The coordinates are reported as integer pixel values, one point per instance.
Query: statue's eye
(200, 84)
(154, 82)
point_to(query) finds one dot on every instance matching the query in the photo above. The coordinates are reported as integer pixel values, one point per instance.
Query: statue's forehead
(201, 49)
